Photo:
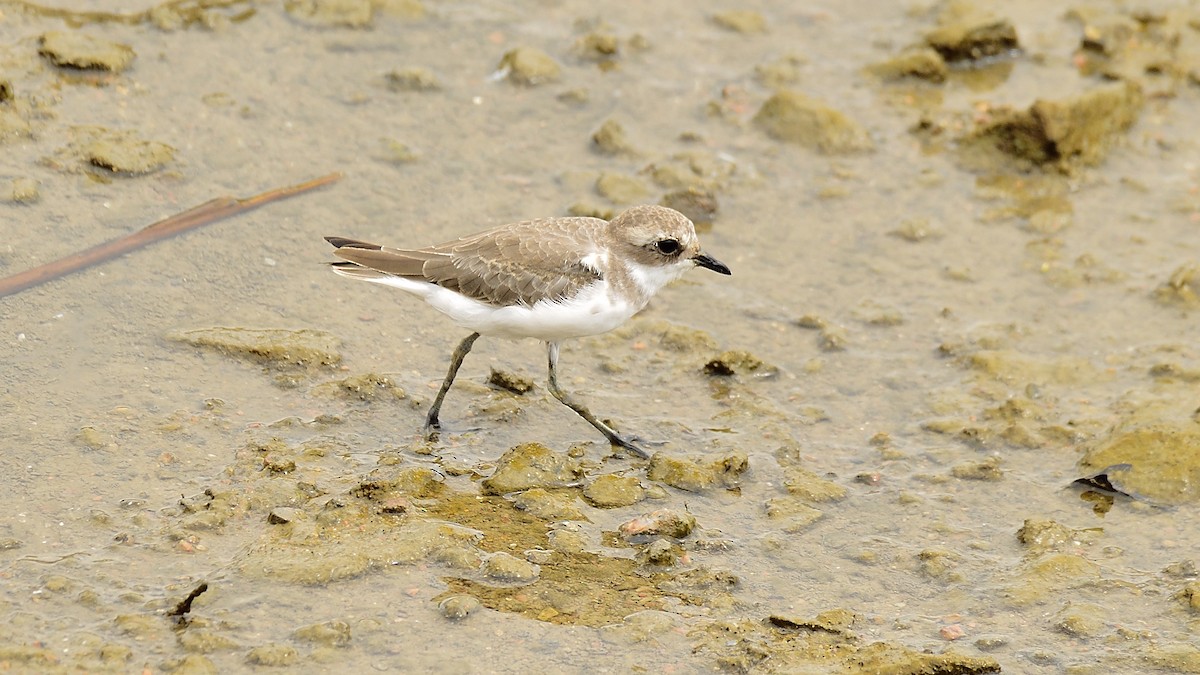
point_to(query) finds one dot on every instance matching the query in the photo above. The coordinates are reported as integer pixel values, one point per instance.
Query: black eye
(667, 246)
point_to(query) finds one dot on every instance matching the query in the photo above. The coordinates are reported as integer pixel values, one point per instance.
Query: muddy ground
(943, 418)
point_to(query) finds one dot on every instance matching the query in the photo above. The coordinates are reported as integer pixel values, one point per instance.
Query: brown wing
(520, 263)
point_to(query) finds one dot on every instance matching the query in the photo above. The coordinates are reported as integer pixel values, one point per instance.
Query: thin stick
(207, 213)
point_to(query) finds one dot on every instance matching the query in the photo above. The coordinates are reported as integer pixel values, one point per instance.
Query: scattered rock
(1058, 134)
(922, 63)
(806, 485)
(278, 346)
(743, 21)
(393, 151)
(620, 189)
(85, 52)
(597, 46)
(660, 552)
(988, 469)
(611, 491)
(1081, 621)
(699, 205)
(792, 117)
(551, 506)
(696, 474)
(1182, 288)
(738, 362)
(351, 13)
(458, 607)
(590, 210)
(780, 73)
(965, 33)
(272, 655)
(329, 633)
(506, 568)
(412, 79)
(510, 382)
(611, 139)
(529, 66)
(24, 191)
(532, 465)
(365, 387)
(124, 153)
(283, 515)
(661, 523)
(1153, 460)
(793, 514)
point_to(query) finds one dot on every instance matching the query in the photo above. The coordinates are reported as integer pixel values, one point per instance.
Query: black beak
(711, 263)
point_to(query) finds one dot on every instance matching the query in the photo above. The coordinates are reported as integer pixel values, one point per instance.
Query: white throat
(651, 278)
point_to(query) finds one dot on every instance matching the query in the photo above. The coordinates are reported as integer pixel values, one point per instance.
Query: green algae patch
(795, 118)
(1157, 462)
(275, 346)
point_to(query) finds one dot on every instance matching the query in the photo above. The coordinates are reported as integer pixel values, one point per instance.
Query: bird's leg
(612, 436)
(460, 352)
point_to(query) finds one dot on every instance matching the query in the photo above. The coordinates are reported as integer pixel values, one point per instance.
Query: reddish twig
(207, 213)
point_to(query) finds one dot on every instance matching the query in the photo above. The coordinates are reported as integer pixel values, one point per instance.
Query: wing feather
(522, 263)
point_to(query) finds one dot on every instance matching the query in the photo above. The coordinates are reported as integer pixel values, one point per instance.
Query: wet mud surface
(941, 419)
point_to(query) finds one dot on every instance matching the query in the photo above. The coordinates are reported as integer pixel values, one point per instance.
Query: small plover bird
(550, 279)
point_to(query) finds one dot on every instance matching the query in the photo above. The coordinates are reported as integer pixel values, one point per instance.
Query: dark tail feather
(342, 242)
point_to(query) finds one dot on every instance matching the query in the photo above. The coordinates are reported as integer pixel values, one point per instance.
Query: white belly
(591, 312)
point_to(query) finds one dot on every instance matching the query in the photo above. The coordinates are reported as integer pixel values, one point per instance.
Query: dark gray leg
(460, 352)
(612, 436)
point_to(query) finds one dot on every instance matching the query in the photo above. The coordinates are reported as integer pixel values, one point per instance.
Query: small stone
(24, 191)
(458, 607)
(922, 63)
(795, 118)
(597, 46)
(272, 655)
(695, 474)
(412, 79)
(620, 189)
(284, 515)
(740, 362)
(531, 465)
(611, 139)
(741, 21)
(397, 152)
(85, 52)
(700, 206)
(547, 505)
(661, 523)
(509, 569)
(330, 633)
(661, 552)
(511, 382)
(529, 66)
(125, 154)
(610, 491)
(988, 469)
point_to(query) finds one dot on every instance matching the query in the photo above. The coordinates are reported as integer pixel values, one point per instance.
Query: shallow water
(109, 421)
